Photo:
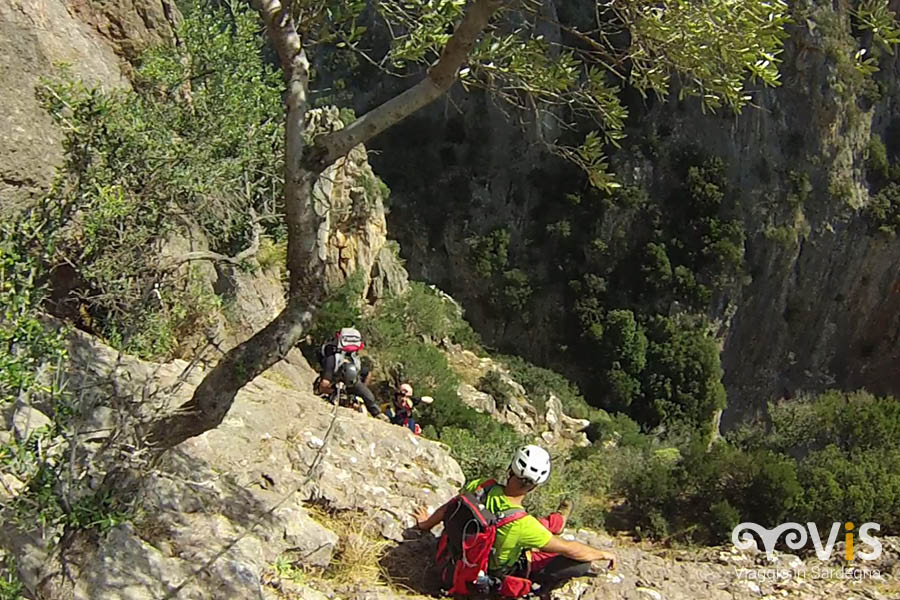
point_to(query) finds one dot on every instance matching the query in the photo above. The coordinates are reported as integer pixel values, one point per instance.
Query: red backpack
(466, 545)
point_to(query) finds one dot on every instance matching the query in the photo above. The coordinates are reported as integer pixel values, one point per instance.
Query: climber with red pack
(341, 363)
(491, 545)
(400, 412)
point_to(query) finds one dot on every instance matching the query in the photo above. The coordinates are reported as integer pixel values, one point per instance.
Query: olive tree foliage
(709, 49)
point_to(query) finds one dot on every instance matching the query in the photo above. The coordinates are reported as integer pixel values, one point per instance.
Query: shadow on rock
(410, 564)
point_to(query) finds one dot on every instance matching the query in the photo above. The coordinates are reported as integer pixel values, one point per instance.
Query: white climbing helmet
(531, 463)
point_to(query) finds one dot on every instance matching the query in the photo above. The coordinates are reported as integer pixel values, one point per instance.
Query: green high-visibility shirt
(513, 538)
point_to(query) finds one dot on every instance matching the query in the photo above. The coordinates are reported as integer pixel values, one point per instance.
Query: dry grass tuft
(360, 547)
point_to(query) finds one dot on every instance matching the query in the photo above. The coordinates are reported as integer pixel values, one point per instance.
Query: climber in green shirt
(528, 547)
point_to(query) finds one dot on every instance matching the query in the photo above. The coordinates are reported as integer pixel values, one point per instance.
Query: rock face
(551, 424)
(388, 274)
(35, 37)
(562, 426)
(130, 25)
(352, 235)
(237, 497)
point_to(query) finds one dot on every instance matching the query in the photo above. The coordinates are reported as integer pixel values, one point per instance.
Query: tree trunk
(214, 396)
(306, 261)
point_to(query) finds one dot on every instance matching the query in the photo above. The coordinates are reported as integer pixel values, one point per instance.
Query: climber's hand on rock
(610, 557)
(421, 515)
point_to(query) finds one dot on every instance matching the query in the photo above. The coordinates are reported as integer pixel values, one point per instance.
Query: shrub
(851, 421)
(55, 495)
(272, 255)
(883, 210)
(483, 448)
(343, 308)
(422, 312)
(492, 384)
(684, 380)
(561, 229)
(861, 486)
(687, 488)
(656, 270)
(622, 354)
(844, 451)
(647, 491)
(840, 187)
(723, 519)
(830, 458)
(426, 367)
(489, 254)
(138, 162)
(585, 479)
(515, 292)
(397, 333)
(10, 586)
(877, 165)
(800, 188)
(621, 429)
(539, 383)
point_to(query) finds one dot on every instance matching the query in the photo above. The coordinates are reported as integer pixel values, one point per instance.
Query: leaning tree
(570, 71)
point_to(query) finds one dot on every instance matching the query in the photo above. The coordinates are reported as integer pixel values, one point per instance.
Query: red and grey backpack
(346, 342)
(466, 545)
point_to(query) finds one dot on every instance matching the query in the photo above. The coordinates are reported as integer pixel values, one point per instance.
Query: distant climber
(400, 411)
(506, 550)
(340, 361)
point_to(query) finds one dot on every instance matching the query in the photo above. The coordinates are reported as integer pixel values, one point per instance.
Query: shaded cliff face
(455, 177)
(815, 304)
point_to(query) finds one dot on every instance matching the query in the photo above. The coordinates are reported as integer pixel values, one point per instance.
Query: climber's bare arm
(578, 551)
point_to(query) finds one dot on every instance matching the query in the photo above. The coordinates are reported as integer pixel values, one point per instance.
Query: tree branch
(248, 252)
(328, 148)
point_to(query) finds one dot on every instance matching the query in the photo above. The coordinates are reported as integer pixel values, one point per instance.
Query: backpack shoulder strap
(484, 489)
(489, 483)
(509, 516)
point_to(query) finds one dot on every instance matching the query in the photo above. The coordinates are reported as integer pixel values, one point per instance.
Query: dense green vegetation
(54, 497)
(640, 273)
(10, 586)
(824, 459)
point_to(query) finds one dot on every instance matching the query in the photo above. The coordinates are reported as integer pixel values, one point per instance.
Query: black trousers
(554, 574)
(360, 389)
